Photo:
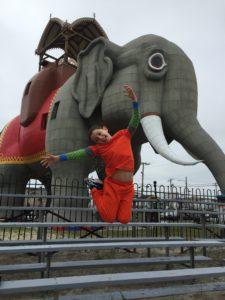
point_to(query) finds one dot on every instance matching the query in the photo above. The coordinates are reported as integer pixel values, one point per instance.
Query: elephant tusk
(153, 130)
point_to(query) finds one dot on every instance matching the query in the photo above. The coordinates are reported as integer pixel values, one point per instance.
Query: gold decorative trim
(2, 134)
(19, 160)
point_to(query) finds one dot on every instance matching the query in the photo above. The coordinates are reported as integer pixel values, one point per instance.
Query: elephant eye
(157, 61)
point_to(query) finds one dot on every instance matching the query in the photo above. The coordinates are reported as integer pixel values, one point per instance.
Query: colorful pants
(114, 201)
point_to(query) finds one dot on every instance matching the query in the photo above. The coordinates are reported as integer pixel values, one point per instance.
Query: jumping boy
(114, 199)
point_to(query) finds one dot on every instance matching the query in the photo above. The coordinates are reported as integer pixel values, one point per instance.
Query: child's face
(100, 136)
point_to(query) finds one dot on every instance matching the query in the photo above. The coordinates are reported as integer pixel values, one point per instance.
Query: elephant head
(164, 79)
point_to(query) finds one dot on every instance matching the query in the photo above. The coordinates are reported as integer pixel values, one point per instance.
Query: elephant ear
(94, 72)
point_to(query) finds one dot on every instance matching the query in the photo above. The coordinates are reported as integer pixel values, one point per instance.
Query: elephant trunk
(199, 143)
(152, 127)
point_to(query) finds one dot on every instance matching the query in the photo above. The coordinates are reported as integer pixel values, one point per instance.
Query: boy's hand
(129, 92)
(49, 160)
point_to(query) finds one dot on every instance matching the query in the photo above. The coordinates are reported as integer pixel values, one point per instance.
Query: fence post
(203, 221)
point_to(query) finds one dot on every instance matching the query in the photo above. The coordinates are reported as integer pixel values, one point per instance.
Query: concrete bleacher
(101, 280)
(149, 293)
(97, 280)
(62, 283)
(185, 262)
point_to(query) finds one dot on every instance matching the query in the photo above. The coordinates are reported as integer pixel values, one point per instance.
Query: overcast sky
(197, 26)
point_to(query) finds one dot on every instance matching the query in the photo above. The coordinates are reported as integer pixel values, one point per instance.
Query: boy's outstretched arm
(51, 159)
(135, 118)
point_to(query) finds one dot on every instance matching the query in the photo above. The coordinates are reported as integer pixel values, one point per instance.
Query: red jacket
(117, 153)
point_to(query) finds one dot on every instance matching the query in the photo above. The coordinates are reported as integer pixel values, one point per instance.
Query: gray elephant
(162, 76)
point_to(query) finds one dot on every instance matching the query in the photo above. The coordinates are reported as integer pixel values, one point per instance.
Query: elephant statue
(164, 79)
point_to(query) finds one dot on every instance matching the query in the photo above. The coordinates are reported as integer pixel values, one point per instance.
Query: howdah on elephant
(164, 79)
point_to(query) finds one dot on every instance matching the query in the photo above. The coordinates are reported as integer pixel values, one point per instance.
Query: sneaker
(93, 183)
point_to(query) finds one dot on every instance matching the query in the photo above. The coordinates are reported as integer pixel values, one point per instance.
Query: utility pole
(216, 187)
(171, 185)
(186, 183)
(142, 176)
(171, 182)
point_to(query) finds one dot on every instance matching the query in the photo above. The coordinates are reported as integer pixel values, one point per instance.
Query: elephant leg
(13, 183)
(37, 171)
(68, 180)
(198, 142)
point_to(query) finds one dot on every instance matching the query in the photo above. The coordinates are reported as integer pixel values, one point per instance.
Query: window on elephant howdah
(44, 121)
(55, 110)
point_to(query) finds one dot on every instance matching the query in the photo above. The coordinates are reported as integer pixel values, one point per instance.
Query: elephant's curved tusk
(153, 130)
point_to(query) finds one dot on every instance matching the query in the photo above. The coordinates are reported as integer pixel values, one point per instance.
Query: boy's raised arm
(128, 91)
(135, 119)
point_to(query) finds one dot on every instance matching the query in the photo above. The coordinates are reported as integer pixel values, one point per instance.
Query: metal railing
(155, 205)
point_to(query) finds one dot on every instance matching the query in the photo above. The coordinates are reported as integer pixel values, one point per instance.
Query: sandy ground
(216, 254)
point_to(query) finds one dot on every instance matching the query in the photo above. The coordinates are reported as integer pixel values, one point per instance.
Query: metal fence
(153, 206)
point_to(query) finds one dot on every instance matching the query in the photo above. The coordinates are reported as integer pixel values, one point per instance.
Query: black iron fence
(69, 213)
